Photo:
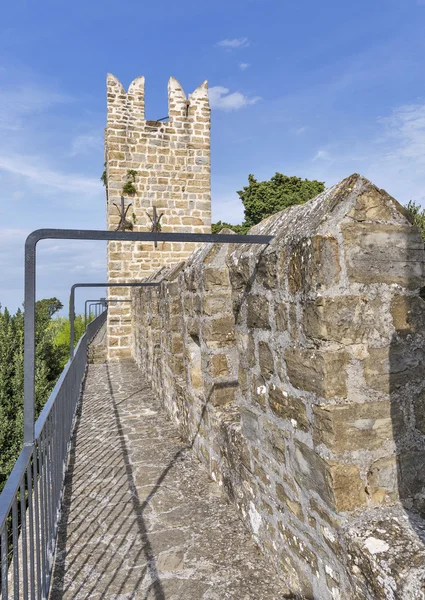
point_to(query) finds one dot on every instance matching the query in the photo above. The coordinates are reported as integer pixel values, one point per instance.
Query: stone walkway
(141, 517)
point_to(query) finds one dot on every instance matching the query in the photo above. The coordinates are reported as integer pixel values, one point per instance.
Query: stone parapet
(295, 371)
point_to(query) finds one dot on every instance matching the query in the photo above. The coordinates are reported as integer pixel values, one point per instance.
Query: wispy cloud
(242, 42)
(86, 144)
(393, 159)
(222, 99)
(244, 66)
(36, 172)
(322, 155)
(16, 103)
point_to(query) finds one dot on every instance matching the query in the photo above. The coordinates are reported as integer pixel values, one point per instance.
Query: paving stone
(141, 518)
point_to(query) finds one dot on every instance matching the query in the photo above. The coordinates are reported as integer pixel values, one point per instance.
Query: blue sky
(314, 89)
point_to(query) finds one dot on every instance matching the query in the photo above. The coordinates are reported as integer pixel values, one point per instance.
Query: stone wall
(171, 164)
(296, 372)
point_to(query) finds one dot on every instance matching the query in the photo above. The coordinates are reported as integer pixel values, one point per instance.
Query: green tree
(418, 215)
(61, 331)
(47, 370)
(264, 198)
(217, 227)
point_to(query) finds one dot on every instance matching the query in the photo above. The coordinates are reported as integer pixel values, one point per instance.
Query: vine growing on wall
(103, 178)
(129, 189)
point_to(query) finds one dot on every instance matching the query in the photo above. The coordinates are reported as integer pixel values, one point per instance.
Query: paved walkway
(141, 517)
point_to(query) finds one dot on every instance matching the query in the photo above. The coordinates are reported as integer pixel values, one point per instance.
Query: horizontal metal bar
(12, 484)
(144, 236)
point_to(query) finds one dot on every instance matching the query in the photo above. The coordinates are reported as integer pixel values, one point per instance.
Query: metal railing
(30, 503)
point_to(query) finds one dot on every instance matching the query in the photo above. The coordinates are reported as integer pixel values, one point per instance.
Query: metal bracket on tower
(124, 223)
(156, 225)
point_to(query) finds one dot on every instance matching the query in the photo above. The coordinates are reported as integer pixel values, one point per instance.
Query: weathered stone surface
(219, 332)
(214, 277)
(393, 366)
(223, 393)
(349, 427)
(372, 205)
(408, 313)
(292, 505)
(387, 555)
(288, 407)
(339, 485)
(259, 390)
(382, 480)
(314, 264)
(265, 358)
(322, 372)
(384, 254)
(141, 516)
(344, 319)
(258, 312)
(419, 411)
(267, 269)
(281, 316)
(275, 441)
(219, 365)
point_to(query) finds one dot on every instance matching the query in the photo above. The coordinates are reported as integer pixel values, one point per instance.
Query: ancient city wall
(161, 164)
(296, 372)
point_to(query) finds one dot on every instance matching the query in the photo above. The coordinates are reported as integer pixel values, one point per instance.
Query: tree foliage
(264, 198)
(51, 354)
(418, 215)
(217, 227)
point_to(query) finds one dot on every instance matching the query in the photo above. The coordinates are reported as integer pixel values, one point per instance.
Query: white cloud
(85, 144)
(393, 158)
(300, 130)
(19, 102)
(37, 173)
(322, 155)
(221, 99)
(244, 66)
(234, 43)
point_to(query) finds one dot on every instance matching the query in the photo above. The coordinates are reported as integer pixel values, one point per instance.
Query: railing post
(71, 321)
(29, 339)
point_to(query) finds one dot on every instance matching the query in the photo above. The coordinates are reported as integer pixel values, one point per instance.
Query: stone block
(338, 484)
(258, 312)
(219, 366)
(219, 332)
(384, 253)
(344, 319)
(292, 505)
(281, 316)
(213, 305)
(267, 268)
(288, 407)
(314, 264)
(371, 205)
(259, 390)
(266, 361)
(419, 411)
(223, 393)
(348, 427)
(319, 371)
(214, 278)
(275, 441)
(408, 313)
(382, 481)
(391, 367)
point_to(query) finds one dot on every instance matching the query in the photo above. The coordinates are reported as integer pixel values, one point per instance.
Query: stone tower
(161, 164)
